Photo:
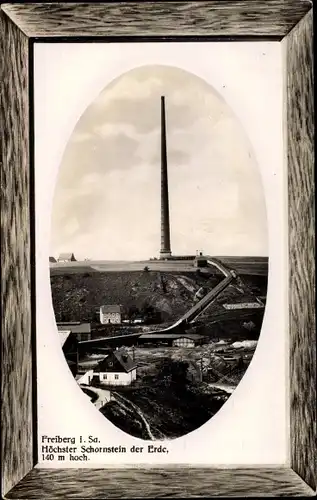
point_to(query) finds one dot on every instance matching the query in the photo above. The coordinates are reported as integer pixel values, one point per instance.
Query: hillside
(78, 296)
(169, 401)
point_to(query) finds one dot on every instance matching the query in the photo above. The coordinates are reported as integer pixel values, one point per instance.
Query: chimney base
(165, 254)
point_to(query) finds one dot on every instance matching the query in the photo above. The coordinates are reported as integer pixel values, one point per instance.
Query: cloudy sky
(107, 197)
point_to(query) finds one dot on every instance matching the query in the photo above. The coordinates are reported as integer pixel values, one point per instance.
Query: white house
(117, 368)
(110, 314)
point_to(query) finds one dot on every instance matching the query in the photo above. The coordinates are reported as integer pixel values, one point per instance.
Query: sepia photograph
(159, 252)
(158, 264)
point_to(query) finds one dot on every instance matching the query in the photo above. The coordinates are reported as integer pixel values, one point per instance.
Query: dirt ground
(200, 359)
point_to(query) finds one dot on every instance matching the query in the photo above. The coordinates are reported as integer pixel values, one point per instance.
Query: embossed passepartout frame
(22, 25)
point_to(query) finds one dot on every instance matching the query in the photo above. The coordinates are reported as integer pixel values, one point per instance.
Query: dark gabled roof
(122, 357)
(125, 360)
(75, 328)
(112, 308)
(52, 259)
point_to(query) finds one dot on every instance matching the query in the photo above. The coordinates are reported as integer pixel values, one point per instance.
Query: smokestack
(165, 218)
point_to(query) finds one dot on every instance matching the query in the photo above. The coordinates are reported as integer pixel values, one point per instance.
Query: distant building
(200, 261)
(111, 314)
(82, 331)
(190, 340)
(117, 368)
(180, 257)
(52, 260)
(66, 257)
(172, 339)
(244, 305)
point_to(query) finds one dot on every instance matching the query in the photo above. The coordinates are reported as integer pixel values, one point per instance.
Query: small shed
(66, 257)
(110, 314)
(82, 331)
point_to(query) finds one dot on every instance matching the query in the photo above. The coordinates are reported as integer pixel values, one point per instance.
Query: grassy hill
(77, 296)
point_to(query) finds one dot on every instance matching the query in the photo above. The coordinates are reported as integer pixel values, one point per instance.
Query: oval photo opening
(159, 251)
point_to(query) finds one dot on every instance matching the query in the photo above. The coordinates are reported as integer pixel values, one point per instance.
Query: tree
(249, 325)
(133, 312)
(163, 284)
(176, 371)
(64, 317)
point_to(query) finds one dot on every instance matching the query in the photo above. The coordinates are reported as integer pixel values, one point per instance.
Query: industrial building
(172, 339)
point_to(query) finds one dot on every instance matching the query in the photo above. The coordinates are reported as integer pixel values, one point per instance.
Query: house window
(105, 376)
(116, 376)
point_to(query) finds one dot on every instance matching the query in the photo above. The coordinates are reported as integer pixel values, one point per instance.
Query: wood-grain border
(21, 26)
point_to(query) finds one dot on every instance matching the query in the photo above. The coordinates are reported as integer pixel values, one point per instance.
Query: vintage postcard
(161, 234)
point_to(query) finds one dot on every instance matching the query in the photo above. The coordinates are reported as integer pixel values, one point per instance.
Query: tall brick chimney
(165, 218)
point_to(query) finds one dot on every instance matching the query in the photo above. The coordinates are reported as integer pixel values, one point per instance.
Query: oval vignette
(158, 252)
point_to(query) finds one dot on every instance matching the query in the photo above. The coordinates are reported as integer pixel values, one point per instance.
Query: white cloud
(111, 129)
(216, 198)
(129, 87)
